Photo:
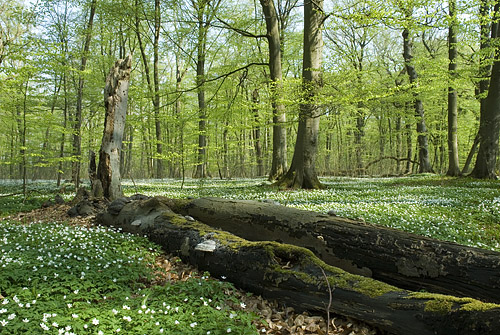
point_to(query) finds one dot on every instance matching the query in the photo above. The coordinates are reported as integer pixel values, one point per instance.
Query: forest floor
(273, 318)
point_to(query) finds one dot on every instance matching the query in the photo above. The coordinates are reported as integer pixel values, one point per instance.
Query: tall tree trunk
(256, 134)
(453, 165)
(422, 140)
(156, 98)
(77, 126)
(302, 172)
(115, 103)
(279, 159)
(201, 164)
(489, 124)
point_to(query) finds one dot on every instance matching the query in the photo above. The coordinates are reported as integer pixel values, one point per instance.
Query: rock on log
(295, 276)
(389, 255)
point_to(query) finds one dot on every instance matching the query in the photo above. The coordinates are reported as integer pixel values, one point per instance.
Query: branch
(237, 30)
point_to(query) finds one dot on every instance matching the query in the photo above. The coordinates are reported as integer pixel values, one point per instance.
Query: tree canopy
(215, 83)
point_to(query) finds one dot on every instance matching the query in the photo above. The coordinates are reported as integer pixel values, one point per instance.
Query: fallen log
(402, 259)
(295, 276)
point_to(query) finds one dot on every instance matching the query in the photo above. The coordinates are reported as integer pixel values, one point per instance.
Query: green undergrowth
(461, 210)
(61, 279)
(13, 199)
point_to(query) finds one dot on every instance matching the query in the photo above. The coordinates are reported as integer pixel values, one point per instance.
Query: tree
(153, 88)
(279, 159)
(453, 165)
(422, 140)
(115, 103)
(489, 124)
(302, 172)
(77, 136)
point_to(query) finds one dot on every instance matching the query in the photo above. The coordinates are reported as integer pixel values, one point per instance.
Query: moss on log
(295, 276)
(389, 255)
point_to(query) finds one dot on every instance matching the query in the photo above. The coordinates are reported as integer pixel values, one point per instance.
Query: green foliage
(61, 279)
(12, 200)
(460, 210)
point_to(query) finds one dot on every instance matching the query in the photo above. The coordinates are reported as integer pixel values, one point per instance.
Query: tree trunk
(489, 123)
(279, 157)
(296, 278)
(201, 165)
(77, 134)
(156, 99)
(423, 146)
(115, 103)
(256, 134)
(453, 165)
(389, 255)
(302, 172)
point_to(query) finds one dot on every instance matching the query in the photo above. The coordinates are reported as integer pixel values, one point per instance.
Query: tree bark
(392, 256)
(489, 123)
(453, 164)
(302, 172)
(295, 277)
(422, 140)
(279, 157)
(77, 135)
(256, 134)
(115, 103)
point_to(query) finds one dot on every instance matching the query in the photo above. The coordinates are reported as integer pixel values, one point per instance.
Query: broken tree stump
(295, 276)
(402, 259)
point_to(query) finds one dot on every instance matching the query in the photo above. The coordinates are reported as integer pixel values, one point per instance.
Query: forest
(220, 88)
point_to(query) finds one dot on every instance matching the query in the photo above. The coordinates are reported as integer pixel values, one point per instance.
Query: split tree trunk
(295, 277)
(115, 103)
(389, 255)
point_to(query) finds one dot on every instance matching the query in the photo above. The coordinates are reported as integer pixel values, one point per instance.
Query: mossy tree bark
(302, 172)
(389, 255)
(296, 277)
(115, 103)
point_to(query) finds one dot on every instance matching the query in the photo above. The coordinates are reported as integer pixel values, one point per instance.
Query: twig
(330, 291)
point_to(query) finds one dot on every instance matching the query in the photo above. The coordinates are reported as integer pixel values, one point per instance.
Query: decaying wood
(294, 276)
(115, 102)
(389, 255)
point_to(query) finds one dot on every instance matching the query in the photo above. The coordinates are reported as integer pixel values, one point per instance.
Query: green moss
(440, 303)
(438, 306)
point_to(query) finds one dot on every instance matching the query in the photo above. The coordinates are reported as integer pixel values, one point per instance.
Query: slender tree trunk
(156, 98)
(256, 134)
(63, 134)
(279, 159)
(453, 164)
(399, 143)
(422, 140)
(302, 172)
(77, 126)
(201, 164)
(115, 103)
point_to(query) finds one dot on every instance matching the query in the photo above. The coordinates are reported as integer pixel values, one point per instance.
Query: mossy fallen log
(389, 255)
(295, 276)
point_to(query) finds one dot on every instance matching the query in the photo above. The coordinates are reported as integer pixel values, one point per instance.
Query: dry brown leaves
(274, 319)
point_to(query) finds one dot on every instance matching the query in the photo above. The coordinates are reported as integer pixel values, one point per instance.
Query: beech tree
(302, 172)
